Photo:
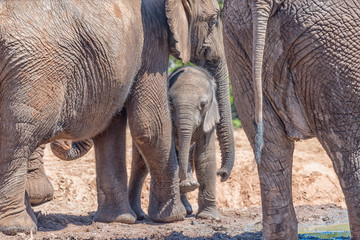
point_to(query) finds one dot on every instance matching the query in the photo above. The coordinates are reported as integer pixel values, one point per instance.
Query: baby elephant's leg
(205, 167)
(139, 171)
(38, 185)
(186, 203)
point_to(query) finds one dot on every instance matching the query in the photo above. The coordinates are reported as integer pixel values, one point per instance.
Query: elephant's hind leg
(38, 185)
(111, 175)
(275, 173)
(279, 220)
(344, 152)
(16, 214)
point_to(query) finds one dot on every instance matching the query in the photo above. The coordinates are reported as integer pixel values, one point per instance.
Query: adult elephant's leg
(38, 185)
(16, 214)
(344, 150)
(275, 174)
(139, 172)
(111, 175)
(205, 168)
(151, 129)
(279, 220)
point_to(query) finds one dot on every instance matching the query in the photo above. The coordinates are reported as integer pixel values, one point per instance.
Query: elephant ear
(178, 13)
(212, 116)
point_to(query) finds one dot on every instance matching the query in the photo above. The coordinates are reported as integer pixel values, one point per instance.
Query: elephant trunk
(260, 16)
(224, 128)
(184, 133)
(69, 151)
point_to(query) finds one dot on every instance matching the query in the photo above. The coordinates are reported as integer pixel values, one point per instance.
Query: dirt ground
(316, 192)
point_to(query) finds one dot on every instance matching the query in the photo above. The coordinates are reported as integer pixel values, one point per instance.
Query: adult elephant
(302, 61)
(67, 68)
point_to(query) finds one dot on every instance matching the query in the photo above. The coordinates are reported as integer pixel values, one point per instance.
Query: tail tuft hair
(259, 140)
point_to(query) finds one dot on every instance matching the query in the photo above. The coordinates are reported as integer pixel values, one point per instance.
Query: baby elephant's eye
(203, 104)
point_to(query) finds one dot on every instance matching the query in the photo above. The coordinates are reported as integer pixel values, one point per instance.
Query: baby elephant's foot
(115, 214)
(140, 215)
(186, 203)
(188, 185)
(210, 213)
(38, 186)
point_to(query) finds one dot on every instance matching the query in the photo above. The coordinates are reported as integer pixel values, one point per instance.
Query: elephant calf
(195, 114)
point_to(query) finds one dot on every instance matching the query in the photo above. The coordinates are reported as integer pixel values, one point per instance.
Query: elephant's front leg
(151, 129)
(111, 175)
(205, 168)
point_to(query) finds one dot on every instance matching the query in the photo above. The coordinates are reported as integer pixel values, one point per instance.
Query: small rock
(193, 222)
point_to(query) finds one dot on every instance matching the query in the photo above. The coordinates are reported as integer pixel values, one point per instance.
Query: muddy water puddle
(333, 231)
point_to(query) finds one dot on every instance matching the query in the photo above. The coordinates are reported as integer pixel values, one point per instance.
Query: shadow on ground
(243, 236)
(55, 222)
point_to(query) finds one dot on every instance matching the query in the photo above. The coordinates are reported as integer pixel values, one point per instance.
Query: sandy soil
(316, 192)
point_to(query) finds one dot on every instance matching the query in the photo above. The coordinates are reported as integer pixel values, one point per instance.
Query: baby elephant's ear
(212, 115)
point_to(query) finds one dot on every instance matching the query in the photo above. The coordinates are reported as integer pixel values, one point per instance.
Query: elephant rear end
(61, 63)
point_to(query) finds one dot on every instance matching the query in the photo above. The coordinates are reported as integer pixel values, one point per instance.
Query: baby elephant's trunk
(184, 134)
(68, 151)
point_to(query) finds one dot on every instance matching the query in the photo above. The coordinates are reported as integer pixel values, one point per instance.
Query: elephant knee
(142, 138)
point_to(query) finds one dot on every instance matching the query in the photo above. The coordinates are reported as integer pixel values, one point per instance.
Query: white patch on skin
(340, 160)
(335, 139)
(338, 81)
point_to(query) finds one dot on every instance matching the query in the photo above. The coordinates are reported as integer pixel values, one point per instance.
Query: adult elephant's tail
(260, 15)
(68, 151)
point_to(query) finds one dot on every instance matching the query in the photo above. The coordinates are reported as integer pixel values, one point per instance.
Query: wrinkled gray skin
(38, 185)
(195, 114)
(309, 77)
(67, 68)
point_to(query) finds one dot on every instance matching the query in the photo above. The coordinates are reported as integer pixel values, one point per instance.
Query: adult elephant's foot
(170, 210)
(186, 203)
(210, 212)
(114, 214)
(23, 222)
